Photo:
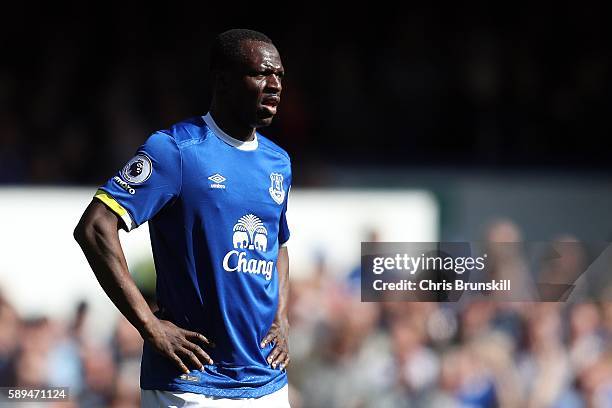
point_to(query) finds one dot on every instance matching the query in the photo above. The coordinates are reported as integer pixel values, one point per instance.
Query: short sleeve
(283, 227)
(149, 181)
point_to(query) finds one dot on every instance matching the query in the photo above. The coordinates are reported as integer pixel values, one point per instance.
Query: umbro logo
(217, 180)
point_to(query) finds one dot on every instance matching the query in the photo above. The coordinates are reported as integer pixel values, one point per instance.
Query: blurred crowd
(352, 354)
(471, 84)
(43, 352)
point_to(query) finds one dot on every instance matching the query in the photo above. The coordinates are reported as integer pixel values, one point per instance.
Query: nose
(274, 84)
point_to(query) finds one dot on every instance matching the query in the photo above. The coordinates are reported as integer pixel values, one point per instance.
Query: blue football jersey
(216, 209)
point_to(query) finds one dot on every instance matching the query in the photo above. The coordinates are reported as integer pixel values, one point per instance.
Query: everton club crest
(276, 188)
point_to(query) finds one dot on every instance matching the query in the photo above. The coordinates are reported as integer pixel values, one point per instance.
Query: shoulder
(171, 141)
(269, 145)
(186, 132)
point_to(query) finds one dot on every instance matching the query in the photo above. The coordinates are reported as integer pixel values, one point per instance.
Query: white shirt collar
(238, 144)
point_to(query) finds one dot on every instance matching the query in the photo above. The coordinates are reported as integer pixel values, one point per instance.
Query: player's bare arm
(97, 234)
(279, 331)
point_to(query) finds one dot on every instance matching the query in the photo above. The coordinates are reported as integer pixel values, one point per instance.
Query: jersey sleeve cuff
(117, 208)
(284, 244)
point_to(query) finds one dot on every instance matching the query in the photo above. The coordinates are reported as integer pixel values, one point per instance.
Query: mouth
(270, 102)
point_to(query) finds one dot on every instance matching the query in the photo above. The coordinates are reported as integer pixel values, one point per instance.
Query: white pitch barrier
(43, 271)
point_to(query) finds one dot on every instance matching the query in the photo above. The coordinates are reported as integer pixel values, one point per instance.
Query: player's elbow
(83, 231)
(92, 224)
(77, 234)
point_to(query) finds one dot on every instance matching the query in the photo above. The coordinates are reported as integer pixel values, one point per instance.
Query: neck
(230, 126)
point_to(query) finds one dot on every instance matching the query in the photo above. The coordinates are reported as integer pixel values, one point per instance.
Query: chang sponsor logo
(249, 235)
